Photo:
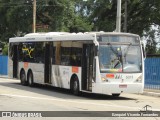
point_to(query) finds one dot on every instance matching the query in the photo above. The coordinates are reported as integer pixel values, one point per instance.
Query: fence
(3, 65)
(152, 73)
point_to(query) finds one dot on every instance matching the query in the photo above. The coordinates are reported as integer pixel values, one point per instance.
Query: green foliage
(158, 51)
(141, 15)
(151, 36)
(58, 15)
(5, 50)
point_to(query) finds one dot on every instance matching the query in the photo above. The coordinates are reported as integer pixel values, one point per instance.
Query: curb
(149, 93)
(3, 76)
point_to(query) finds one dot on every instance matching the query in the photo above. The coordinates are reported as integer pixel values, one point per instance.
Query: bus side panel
(10, 68)
(37, 70)
(21, 66)
(61, 75)
(56, 81)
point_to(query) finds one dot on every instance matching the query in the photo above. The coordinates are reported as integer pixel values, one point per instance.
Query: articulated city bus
(95, 62)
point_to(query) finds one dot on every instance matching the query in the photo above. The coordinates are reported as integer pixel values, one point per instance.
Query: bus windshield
(120, 57)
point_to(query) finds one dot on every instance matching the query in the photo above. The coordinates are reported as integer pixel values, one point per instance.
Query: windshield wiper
(118, 52)
(112, 48)
(117, 43)
(127, 49)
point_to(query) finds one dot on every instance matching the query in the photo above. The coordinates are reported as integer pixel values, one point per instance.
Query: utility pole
(34, 16)
(46, 2)
(118, 20)
(125, 18)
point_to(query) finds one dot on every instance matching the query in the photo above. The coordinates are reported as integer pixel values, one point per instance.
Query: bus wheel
(115, 95)
(75, 86)
(23, 78)
(30, 79)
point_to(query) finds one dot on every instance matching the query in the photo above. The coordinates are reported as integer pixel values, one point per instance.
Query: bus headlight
(104, 79)
(139, 79)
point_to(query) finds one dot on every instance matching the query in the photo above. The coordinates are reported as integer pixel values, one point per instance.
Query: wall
(152, 73)
(3, 65)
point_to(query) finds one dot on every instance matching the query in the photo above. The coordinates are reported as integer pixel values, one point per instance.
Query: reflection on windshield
(120, 58)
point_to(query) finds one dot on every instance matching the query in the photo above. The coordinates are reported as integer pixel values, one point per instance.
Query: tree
(151, 42)
(78, 16)
(5, 49)
(14, 18)
(141, 15)
(101, 13)
(59, 15)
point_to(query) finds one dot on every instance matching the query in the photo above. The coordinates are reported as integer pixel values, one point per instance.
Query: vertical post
(34, 16)
(118, 20)
(125, 19)
(46, 2)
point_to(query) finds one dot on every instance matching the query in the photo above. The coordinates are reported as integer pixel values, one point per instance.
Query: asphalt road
(15, 97)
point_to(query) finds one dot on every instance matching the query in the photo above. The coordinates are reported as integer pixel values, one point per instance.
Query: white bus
(95, 62)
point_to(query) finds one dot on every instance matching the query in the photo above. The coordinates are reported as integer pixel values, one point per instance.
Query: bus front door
(15, 61)
(47, 64)
(87, 67)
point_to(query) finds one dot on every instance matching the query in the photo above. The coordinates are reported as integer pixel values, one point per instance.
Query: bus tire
(30, 79)
(75, 86)
(23, 77)
(115, 95)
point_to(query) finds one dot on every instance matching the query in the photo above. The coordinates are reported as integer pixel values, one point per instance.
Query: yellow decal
(28, 51)
(113, 70)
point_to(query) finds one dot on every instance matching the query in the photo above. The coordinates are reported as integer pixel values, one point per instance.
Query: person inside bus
(73, 60)
(115, 63)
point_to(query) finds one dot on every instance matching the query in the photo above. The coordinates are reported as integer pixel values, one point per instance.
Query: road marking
(71, 101)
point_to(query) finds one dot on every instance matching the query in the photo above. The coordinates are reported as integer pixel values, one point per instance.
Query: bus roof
(53, 37)
(113, 33)
(64, 36)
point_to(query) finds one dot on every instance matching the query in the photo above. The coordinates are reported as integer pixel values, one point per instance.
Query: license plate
(122, 86)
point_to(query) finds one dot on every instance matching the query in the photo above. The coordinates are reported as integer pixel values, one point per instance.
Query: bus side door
(87, 67)
(47, 63)
(15, 61)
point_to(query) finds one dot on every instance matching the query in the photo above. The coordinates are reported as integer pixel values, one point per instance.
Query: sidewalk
(3, 76)
(151, 92)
